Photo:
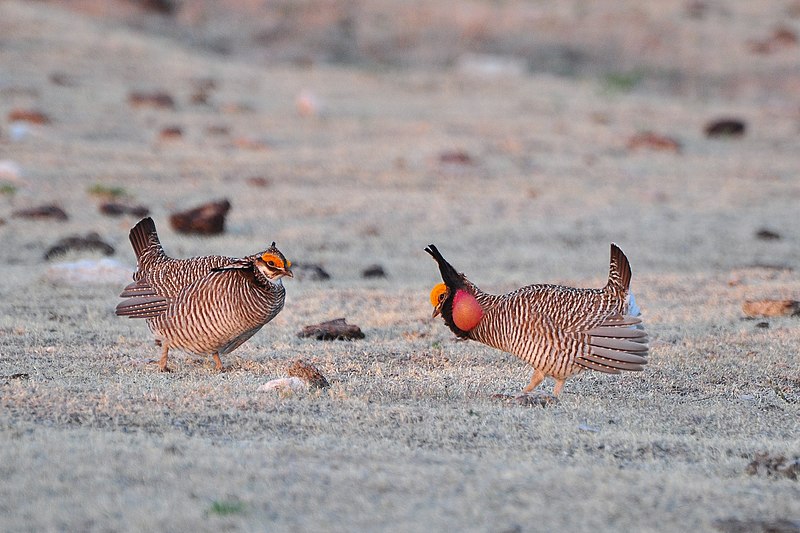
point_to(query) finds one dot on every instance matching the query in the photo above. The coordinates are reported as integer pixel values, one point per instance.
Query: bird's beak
(436, 312)
(288, 273)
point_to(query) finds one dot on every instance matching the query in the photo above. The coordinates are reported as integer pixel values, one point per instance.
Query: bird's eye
(271, 263)
(441, 297)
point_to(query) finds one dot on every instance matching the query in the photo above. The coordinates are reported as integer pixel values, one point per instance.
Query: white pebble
(292, 384)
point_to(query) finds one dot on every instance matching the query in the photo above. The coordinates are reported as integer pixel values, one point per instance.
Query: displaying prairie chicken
(205, 305)
(559, 331)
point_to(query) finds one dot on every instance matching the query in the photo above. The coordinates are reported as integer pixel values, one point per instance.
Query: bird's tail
(144, 240)
(619, 272)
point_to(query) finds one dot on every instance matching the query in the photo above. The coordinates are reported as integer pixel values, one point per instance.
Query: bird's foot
(165, 368)
(528, 399)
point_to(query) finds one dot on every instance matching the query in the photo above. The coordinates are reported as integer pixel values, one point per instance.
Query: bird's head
(272, 264)
(455, 298)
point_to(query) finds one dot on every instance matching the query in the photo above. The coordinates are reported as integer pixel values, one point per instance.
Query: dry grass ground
(407, 437)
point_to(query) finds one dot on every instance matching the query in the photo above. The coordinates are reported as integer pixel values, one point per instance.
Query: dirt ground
(517, 175)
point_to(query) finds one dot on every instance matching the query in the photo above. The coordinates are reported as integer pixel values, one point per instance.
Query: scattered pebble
(91, 242)
(10, 171)
(89, 272)
(308, 373)
(170, 132)
(776, 466)
(284, 385)
(727, 127)
(157, 99)
(31, 116)
(781, 38)
(653, 141)
(765, 308)
(258, 181)
(207, 219)
(116, 209)
(309, 272)
(491, 66)
(336, 329)
(307, 104)
(374, 271)
(456, 157)
(41, 212)
(768, 235)
(62, 79)
(534, 399)
(762, 325)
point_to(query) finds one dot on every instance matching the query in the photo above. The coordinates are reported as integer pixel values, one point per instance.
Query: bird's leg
(162, 364)
(558, 387)
(218, 362)
(538, 377)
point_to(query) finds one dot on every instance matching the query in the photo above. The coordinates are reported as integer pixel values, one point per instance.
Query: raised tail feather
(449, 274)
(617, 344)
(144, 238)
(619, 271)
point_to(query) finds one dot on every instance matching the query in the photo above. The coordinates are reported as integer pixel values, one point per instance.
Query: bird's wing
(141, 301)
(607, 340)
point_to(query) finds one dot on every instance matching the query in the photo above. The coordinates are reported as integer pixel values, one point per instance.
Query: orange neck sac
(467, 311)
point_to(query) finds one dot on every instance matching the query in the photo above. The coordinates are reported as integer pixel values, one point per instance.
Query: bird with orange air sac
(560, 331)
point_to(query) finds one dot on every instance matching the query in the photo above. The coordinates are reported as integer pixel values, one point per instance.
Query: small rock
(765, 308)
(116, 209)
(308, 373)
(309, 272)
(653, 141)
(456, 157)
(258, 181)
(335, 329)
(170, 132)
(728, 127)
(41, 212)
(774, 466)
(102, 271)
(374, 271)
(307, 104)
(767, 235)
(491, 66)
(10, 171)
(762, 325)
(31, 116)
(284, 385)
(62, 79)
(92, 242)
(157, 99)
(207, 219)
(533, 399)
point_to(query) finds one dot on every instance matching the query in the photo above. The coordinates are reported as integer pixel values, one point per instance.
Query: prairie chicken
(205, 305)
(559, 331)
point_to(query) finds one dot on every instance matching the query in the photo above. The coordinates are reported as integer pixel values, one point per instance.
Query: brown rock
(768, 235)
(207, 219)
(653, 141)
(374, 271)
(91, 242)
(258, 181)
(736, 525)
(171, 132)
(310, 272)
(43, 211)
(308, 373)
(32, 116)
(336, 329)
(156, 99)
(456, 157)
(762, 308)
(116, 209)
(727, 127)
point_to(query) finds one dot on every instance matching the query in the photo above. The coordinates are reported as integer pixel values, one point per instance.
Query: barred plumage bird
(205, 305)
(560, 331)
